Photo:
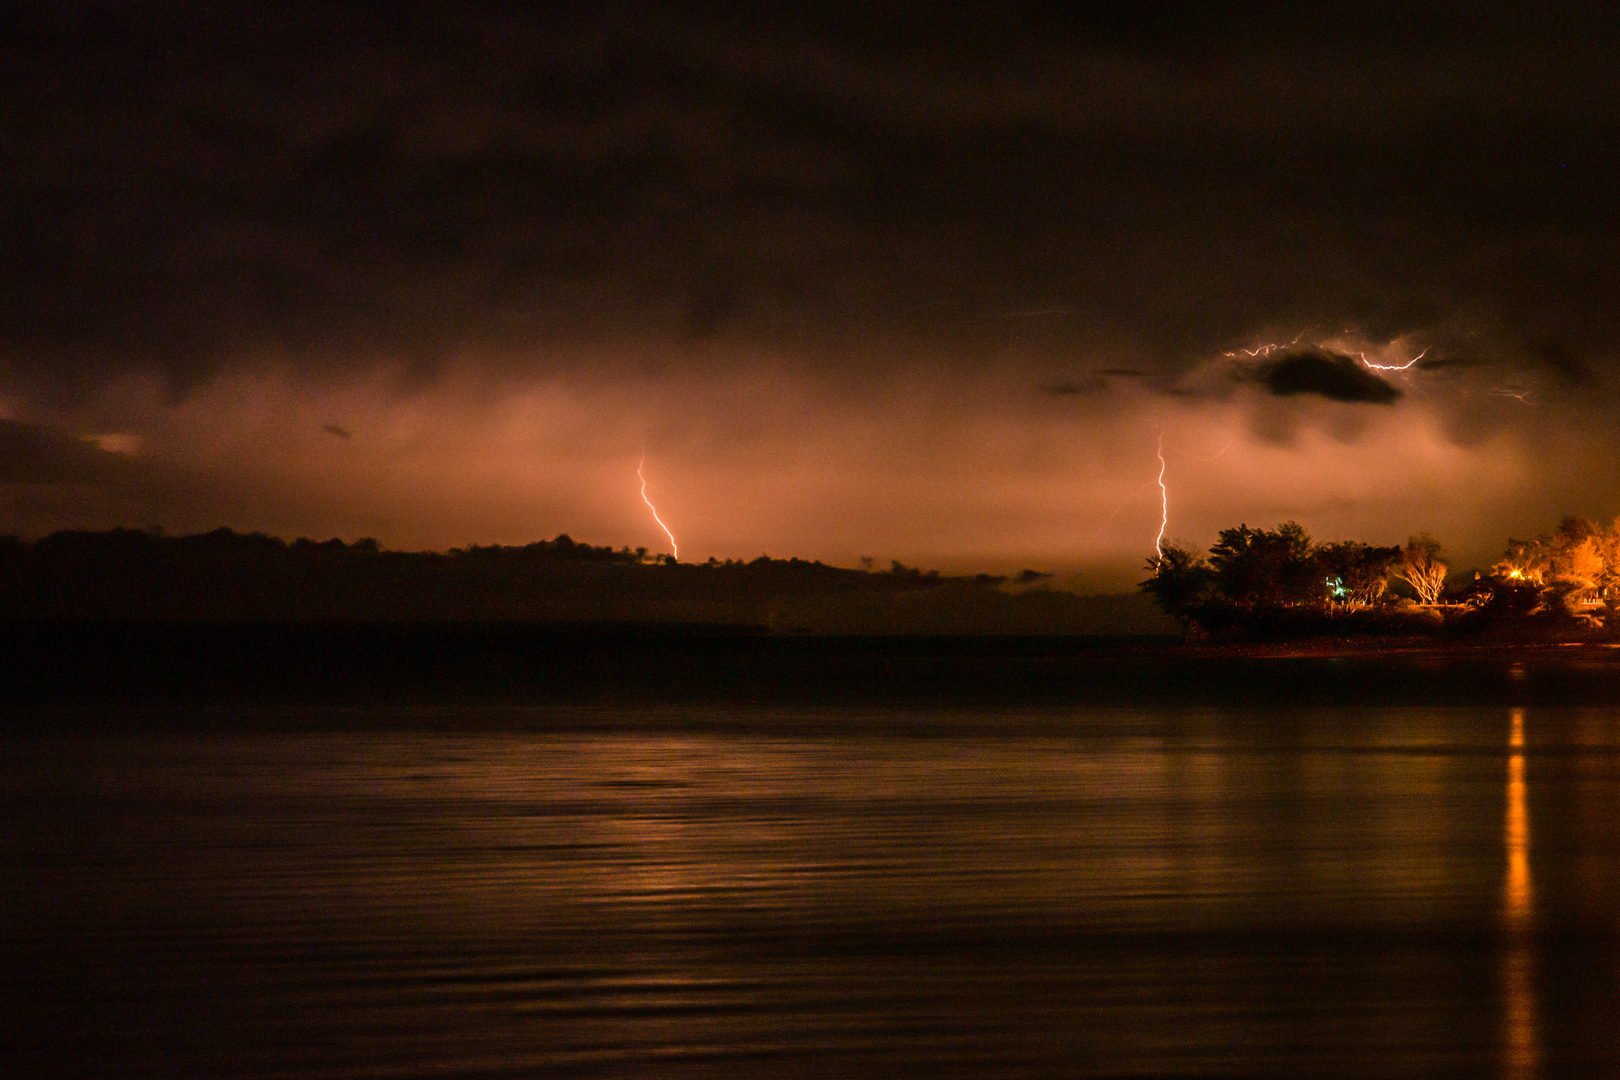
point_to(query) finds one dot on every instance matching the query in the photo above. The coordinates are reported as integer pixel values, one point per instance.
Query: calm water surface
(1099, 892)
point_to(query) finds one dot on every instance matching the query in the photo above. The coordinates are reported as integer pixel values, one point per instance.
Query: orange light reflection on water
(1520, 1042)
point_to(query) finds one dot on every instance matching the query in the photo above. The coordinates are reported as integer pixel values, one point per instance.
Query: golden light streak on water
(1517, 833)
(1520, 1042)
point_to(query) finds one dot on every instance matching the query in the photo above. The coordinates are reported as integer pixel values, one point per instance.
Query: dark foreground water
(741, 891)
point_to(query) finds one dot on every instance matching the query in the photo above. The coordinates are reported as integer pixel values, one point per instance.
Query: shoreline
(1402, 647)
(154, 670)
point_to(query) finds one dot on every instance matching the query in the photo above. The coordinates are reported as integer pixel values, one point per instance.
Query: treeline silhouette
(1271, 583)
(225, 576)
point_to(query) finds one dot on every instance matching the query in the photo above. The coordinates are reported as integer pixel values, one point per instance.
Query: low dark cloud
(1563, 361)
(1327, 374)
(34, 455)
(1087, 387)
(339, 430)
(51, 479)
(1444, 361)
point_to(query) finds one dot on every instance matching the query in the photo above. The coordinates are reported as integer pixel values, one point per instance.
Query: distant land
(224, 630)
(127, 575)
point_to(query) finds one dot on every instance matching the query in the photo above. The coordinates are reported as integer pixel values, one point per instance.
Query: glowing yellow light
(673, 547)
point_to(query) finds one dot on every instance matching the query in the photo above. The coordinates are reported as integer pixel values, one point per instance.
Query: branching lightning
(1393, 367)
(1164, 501)
(1271, 347)
(1277, 346)
(673, 547)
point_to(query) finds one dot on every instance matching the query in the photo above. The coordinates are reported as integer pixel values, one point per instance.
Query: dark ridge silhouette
(224, 576)
(131, 621)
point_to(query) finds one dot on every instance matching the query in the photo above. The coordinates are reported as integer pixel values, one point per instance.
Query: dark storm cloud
(1562, 361)
(337, 429)
(31, 454)
(51, 479)
(1326, 374)
(187, 185)
(1096, 384)
(1444, 361)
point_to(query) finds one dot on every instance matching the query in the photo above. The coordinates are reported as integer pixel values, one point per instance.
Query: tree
(1257, 568)
(1606, 548)
(1181, 583)
(1566, 566)
(1355, 573)
(1524, 561)
(1575, 561)
(1421, 567)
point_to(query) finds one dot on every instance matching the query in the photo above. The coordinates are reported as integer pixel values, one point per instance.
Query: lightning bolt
(1275, 346)
(1164, 500)
(1268, 349)
(1393, 367)
(674, 548)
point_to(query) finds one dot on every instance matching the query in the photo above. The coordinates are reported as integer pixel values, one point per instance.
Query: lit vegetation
(1274, 582)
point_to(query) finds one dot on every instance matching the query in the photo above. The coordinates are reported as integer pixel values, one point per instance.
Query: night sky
(884, 280)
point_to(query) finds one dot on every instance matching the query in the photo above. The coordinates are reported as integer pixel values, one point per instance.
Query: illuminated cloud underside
(999, 478)
(903, 282)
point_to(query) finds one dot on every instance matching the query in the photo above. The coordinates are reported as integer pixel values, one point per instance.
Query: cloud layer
(894, 282)
(1331, 375)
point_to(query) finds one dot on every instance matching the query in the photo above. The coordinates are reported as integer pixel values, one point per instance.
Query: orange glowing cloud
(980, 472)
